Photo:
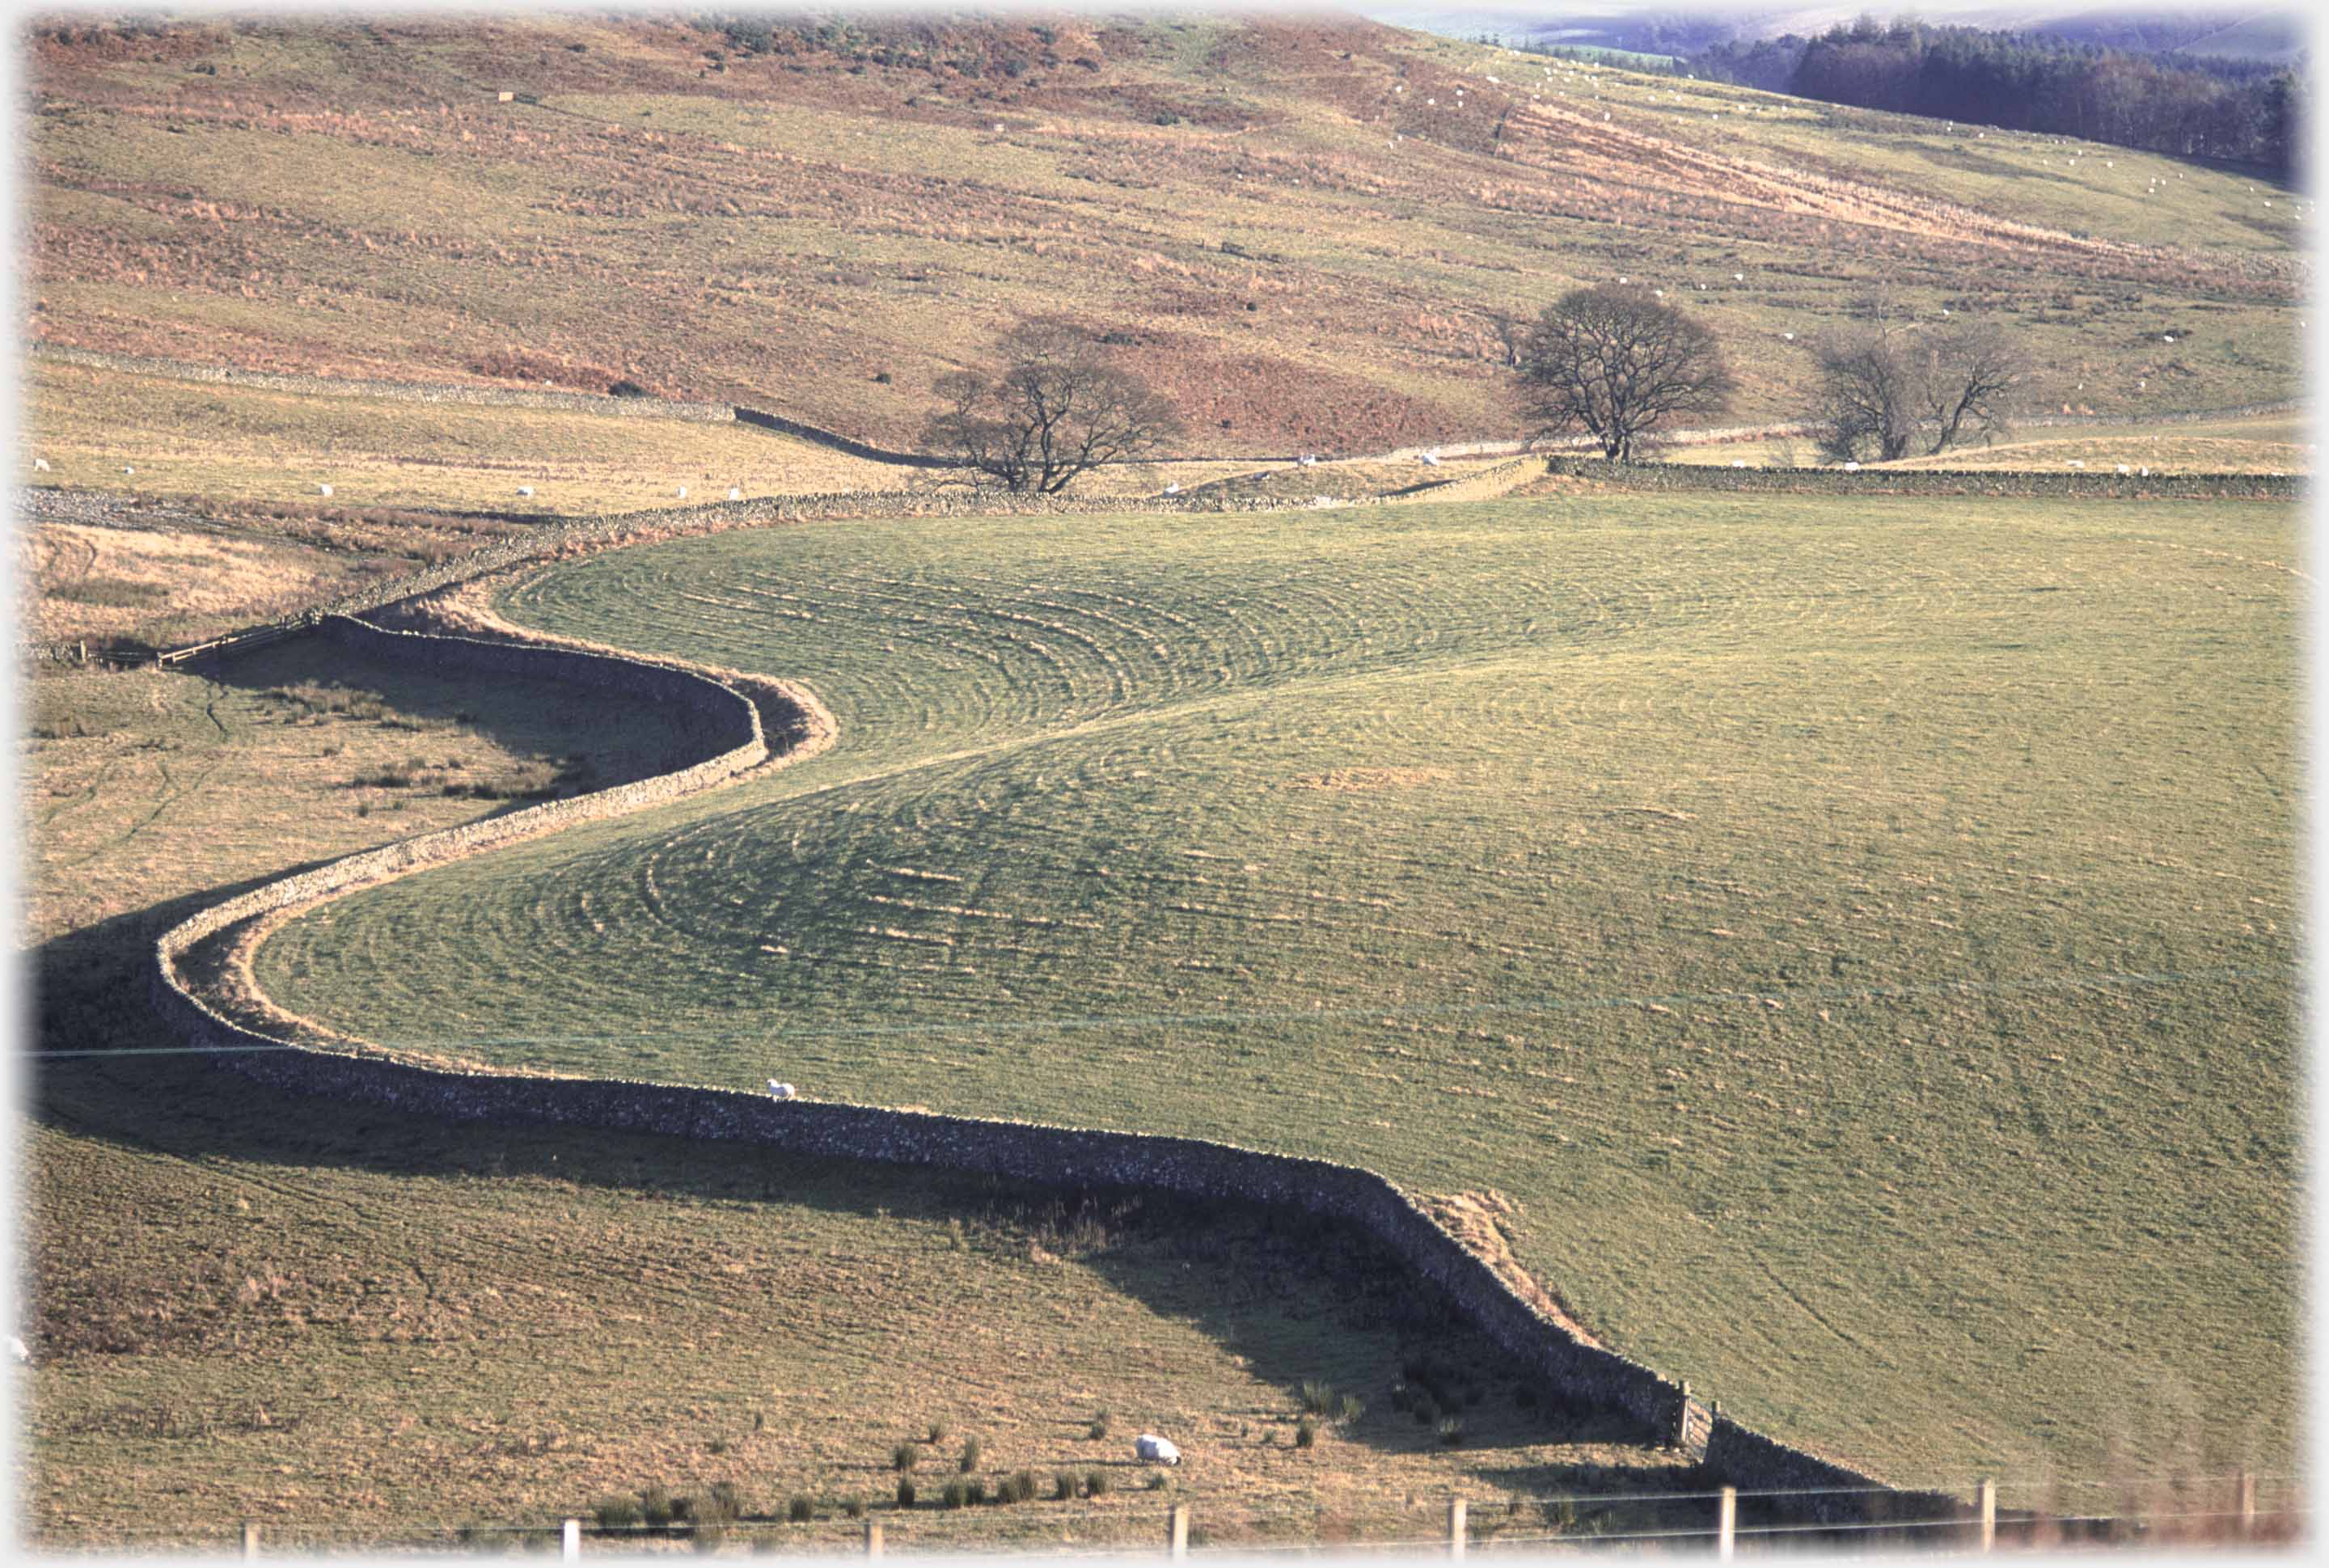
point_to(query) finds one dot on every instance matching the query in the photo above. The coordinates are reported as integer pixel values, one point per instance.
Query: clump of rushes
(854, 1507)
(1018, 1486)
(801, 1509)
(1158, 1480)
(1451, 1430)
(956, 1493)
(654, 1506)
(615, 1513)
(1063, 1486)
(1099, 1427)
(936, 1433)
(905, 1493)
(1096, 1483)
(977, 1489)
(1349, 1408)
(903, 1457)
(969, 1461)
(1306, 1432)
(1317, 1397)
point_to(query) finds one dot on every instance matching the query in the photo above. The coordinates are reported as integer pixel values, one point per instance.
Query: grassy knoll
(1862, 941)
(357, 1326)
(1304, 232)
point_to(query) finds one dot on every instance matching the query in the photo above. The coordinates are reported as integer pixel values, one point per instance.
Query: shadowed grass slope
(1863, 945)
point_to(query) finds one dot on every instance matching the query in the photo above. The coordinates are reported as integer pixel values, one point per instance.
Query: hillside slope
(1862, 948)
(1305, 232)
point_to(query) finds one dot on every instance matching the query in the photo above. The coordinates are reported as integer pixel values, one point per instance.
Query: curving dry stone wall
(1057, 1156)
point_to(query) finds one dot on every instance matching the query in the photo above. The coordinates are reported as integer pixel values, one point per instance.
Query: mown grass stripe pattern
(1885, 804)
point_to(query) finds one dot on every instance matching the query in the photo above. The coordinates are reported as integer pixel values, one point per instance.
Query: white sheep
(323, 489)
(781, 1091)
(1852, 467)
(525, 489)
(16, 1348)
(40, 464)
(1430, 457)
(1172, 489)
(735, 493)
(1153, 1450)
(682, 492)
(127, 469)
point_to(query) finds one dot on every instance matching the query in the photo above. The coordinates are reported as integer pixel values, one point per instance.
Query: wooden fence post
(249, 1539)
(1178, 1530)
(1985, 1500)
(1726, 1521)
(2248, 1505)
(570, 1541)
(1456, 1528)
(872, 1537)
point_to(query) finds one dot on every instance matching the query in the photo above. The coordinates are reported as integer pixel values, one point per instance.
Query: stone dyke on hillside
(2073, 486)
(398, 390)
(727, 726)
(713, 716)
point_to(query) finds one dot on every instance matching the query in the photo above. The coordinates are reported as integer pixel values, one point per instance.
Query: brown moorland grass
(1301, 229)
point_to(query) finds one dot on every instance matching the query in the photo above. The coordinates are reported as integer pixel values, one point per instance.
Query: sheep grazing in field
(1172, 489)
(40, 464)
(1307, 461)
(682, 492)
(1150, 1449)
(526, 490)
(735, 493)
(2125, 469)
(781, 1091)
(1738, 462)
(16, 1348)
(127, 469)
(1852, 467)
(323, 489)
(1430, 457)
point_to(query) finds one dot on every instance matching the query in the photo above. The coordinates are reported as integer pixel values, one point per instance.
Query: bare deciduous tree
(1887, 389)
(1618, 363)
(1057, 409)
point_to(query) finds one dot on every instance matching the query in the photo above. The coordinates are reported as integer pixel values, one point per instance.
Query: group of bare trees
(1613, 362)
(1622, 365)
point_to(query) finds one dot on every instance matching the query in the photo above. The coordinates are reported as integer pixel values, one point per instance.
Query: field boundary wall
(725, 722)
(400, 390)
(2073, 486)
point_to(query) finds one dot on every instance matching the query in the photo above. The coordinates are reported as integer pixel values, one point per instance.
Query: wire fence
(2230, 1509)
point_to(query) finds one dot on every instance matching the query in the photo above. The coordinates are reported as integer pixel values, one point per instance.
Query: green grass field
(359, 1327)
(1863, 942)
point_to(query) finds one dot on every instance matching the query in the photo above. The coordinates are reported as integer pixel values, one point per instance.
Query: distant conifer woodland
(2237, 110)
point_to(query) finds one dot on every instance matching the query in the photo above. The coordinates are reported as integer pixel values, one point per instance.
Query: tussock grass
(1754, 926)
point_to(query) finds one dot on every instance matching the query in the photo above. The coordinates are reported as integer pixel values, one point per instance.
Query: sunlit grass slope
(1862, 941)
(1305, 232)
(242, 443)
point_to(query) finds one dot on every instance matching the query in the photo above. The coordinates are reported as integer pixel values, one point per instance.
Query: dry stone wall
(727, 724)
(2073, 486)
(400, 390)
